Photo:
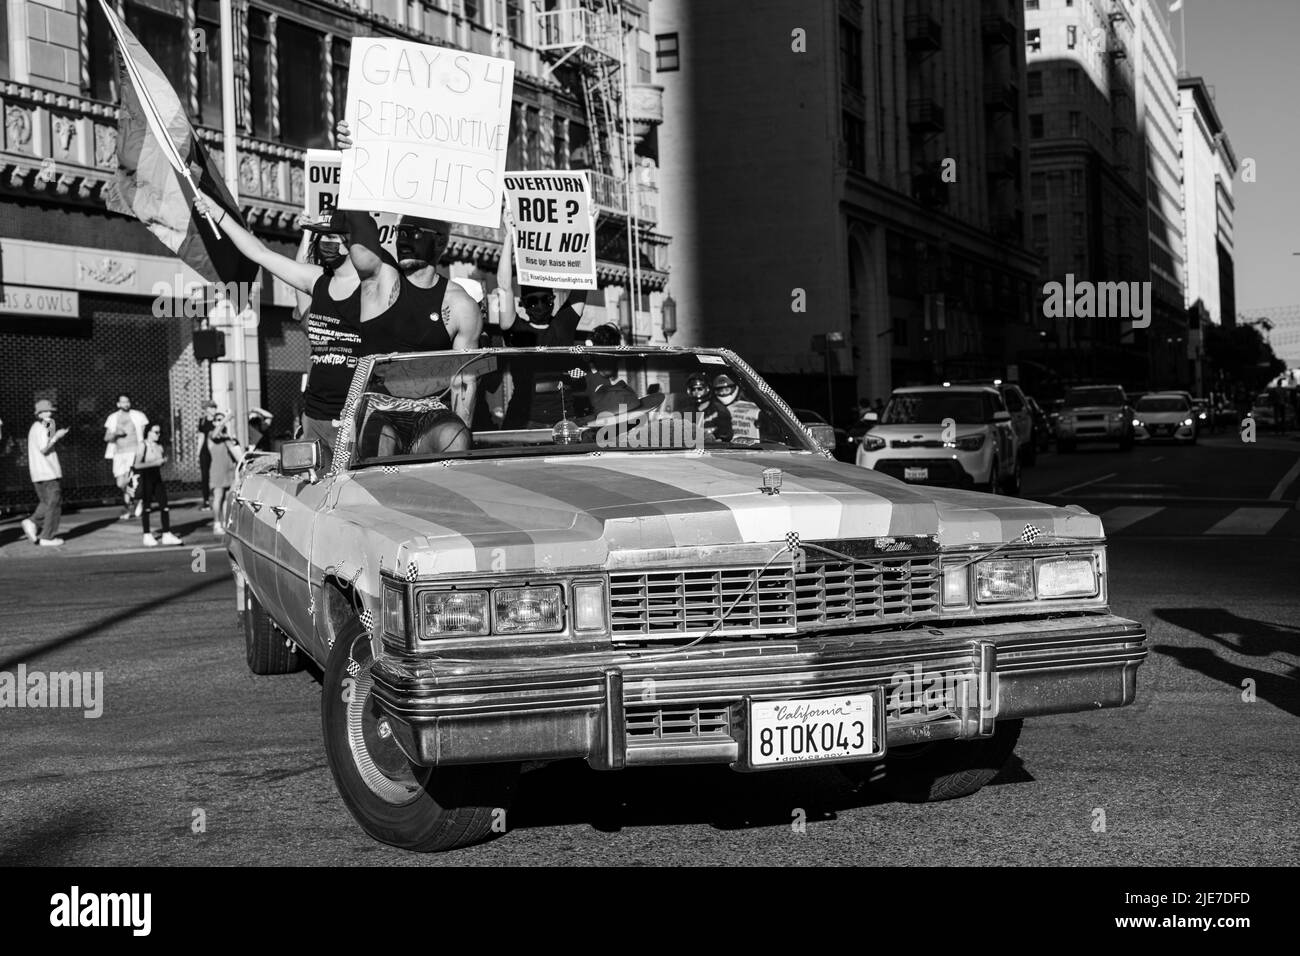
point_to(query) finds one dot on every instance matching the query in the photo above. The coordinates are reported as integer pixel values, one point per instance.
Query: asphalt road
(1191, 774)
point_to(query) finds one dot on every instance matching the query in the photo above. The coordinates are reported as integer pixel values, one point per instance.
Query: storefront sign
(39, 301)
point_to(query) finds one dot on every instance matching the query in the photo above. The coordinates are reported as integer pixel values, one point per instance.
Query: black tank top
(334, 330)
(411, 324)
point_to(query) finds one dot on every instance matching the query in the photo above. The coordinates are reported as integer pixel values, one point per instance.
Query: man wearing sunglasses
(406, 306)
(527, 314)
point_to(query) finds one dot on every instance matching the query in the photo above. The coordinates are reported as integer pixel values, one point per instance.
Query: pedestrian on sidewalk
(225, 451)
(43, 463)
(205, 457)
(123, 432)
(149, 460)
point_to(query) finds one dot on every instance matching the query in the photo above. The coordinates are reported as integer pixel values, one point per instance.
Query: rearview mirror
(297, 457)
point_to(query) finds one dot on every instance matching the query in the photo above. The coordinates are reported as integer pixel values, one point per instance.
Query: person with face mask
(527, 315)
(328, 302)
(714, 415)
(406, 305)
(744, 413)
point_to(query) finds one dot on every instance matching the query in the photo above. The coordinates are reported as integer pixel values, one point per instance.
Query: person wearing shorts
(124, 431)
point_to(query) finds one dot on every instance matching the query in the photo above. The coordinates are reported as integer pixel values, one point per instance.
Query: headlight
(1187, 421)
(1119, 416)
(956, 586)
(1065, 419)
(1066, 577)
(1137, 423)
(527, 610)
(589, 606)
(970, 443)
(872, 443)
(453, 614)
(394, 611)
(1004, 580)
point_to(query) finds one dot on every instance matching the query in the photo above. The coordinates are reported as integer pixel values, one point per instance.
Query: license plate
(806, 731)
(916, 474)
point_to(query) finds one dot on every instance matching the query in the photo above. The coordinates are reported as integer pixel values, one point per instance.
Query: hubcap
(378, 759)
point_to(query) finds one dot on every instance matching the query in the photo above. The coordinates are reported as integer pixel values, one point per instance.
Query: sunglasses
(538, 300)
(697, 389)
(416, 232)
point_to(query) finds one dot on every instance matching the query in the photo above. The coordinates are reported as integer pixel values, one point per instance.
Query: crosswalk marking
(1117, 519)
(1248, 521)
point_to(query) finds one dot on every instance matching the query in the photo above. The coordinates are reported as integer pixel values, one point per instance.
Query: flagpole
(230, 160)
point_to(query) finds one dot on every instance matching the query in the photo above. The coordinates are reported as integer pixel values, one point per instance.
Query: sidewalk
(98, 531)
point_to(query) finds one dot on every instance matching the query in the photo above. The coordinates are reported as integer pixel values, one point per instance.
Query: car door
(297, 524)
(252, 518)
(1022, 420)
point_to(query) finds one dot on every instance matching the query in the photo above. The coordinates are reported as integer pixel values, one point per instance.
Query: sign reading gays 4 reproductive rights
(324, 170)
(429, 128)
(555, 243)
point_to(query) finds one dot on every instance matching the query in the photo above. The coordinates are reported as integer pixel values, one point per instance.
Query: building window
(1076, 182)
(855, 142)
(1076, 225)
(1031, 4)
(1038, 186)
(667, 55)
(515, 19)
(299, 53)
(1040, 227)
(1035, 82)
(533, 139)
(643, 74)
(4, 40)
(1035, 125)
(162, 34)
(208, 20)
(560, 135)
(1071, 36)
(579, 148)
(471, 10)
(850, 55)
(259, 71)
(1034, 40)
(1074, 79)
(341, 56)
(1074, 123)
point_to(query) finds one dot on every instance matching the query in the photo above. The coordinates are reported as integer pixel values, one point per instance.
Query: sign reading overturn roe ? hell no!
(429, 127)
(555, 243)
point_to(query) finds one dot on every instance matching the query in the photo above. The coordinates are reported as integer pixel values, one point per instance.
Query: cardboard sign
(555, 241)
(429, 126)
(322, 174)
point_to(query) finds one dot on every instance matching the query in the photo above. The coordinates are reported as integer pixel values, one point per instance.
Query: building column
(191, 59)
(327, 81)
(273, 81)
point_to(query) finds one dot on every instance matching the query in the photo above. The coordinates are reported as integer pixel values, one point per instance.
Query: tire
(1012, 485)
(425, 809)
(947, 769)
(266, 647)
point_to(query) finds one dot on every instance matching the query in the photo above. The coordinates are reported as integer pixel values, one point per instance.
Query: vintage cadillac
(609, 564)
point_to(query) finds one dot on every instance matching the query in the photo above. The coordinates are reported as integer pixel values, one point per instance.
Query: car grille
(677, 721)
(920, 443)
(663, 605)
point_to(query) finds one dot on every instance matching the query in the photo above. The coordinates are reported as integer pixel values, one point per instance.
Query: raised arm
(365, 248)
(299, 275)
(461, 316)
(302, 300)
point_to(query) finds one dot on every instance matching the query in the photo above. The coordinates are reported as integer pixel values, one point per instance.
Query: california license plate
(916, 474)
(805, 731)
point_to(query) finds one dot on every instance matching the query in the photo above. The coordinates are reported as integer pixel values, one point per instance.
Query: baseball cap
(335, 222)
(44, 405)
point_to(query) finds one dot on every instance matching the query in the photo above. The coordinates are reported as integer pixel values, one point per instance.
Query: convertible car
(524, 556)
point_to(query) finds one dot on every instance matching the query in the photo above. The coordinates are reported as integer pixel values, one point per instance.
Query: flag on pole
(160, 160)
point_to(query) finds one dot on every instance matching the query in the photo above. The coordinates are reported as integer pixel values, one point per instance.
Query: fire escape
(590, 36)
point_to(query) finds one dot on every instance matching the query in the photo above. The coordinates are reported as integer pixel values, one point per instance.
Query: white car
(958, 436)
(1166, 415)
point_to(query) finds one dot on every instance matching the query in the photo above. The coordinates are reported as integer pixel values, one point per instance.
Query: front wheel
(944, 769)
(395, 801)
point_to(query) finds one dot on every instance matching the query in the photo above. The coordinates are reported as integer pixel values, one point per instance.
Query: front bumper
(1092, 430)
(1166, 431)
(633, 708)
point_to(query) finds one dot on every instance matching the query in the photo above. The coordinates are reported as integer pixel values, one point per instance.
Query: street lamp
(668, 317)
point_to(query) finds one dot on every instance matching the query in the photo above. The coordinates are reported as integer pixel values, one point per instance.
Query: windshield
(516, 402)
(1079, 397)
(931, 408)
(1171, 404)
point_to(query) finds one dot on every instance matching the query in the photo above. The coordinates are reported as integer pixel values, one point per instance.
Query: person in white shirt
(123, 434)
(43, 463)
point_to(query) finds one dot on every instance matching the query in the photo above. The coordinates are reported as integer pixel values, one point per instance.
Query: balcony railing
(924, 116)
(924, 34)
(610, 195)
(565, 30)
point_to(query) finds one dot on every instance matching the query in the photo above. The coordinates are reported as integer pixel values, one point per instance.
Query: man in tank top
(406, 306)
(329, 288)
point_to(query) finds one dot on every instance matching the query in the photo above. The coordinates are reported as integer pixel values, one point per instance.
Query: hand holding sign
(549, 214)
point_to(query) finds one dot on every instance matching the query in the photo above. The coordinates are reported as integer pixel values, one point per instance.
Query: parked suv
(1022, 416)
(1095, 413)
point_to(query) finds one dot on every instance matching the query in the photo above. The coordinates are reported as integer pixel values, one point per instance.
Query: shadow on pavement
(1241, 635)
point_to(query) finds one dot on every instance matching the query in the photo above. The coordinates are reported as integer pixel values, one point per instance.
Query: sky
(1248, 51)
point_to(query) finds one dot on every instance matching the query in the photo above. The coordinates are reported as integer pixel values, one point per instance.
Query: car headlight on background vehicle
(1137, 423)
(1007, 579)
(970, 443)
(1066, 577)
(453, 614)
(1187, 421)
(527, 610)
(1119, 416)
(872, 443)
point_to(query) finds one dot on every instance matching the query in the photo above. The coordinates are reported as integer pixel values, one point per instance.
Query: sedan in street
(1166, 416)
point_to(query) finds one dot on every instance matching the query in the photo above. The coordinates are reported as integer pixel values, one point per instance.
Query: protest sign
(324, 168)
(555, 243)
(429, 128)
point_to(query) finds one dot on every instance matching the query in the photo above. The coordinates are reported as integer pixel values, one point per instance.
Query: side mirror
(1002, 416)
(824, 435)
(299, 457)
(871, 417)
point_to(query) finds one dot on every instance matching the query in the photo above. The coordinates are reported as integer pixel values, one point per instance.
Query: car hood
(569, 512)
(922, 432)
(1092, 410)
